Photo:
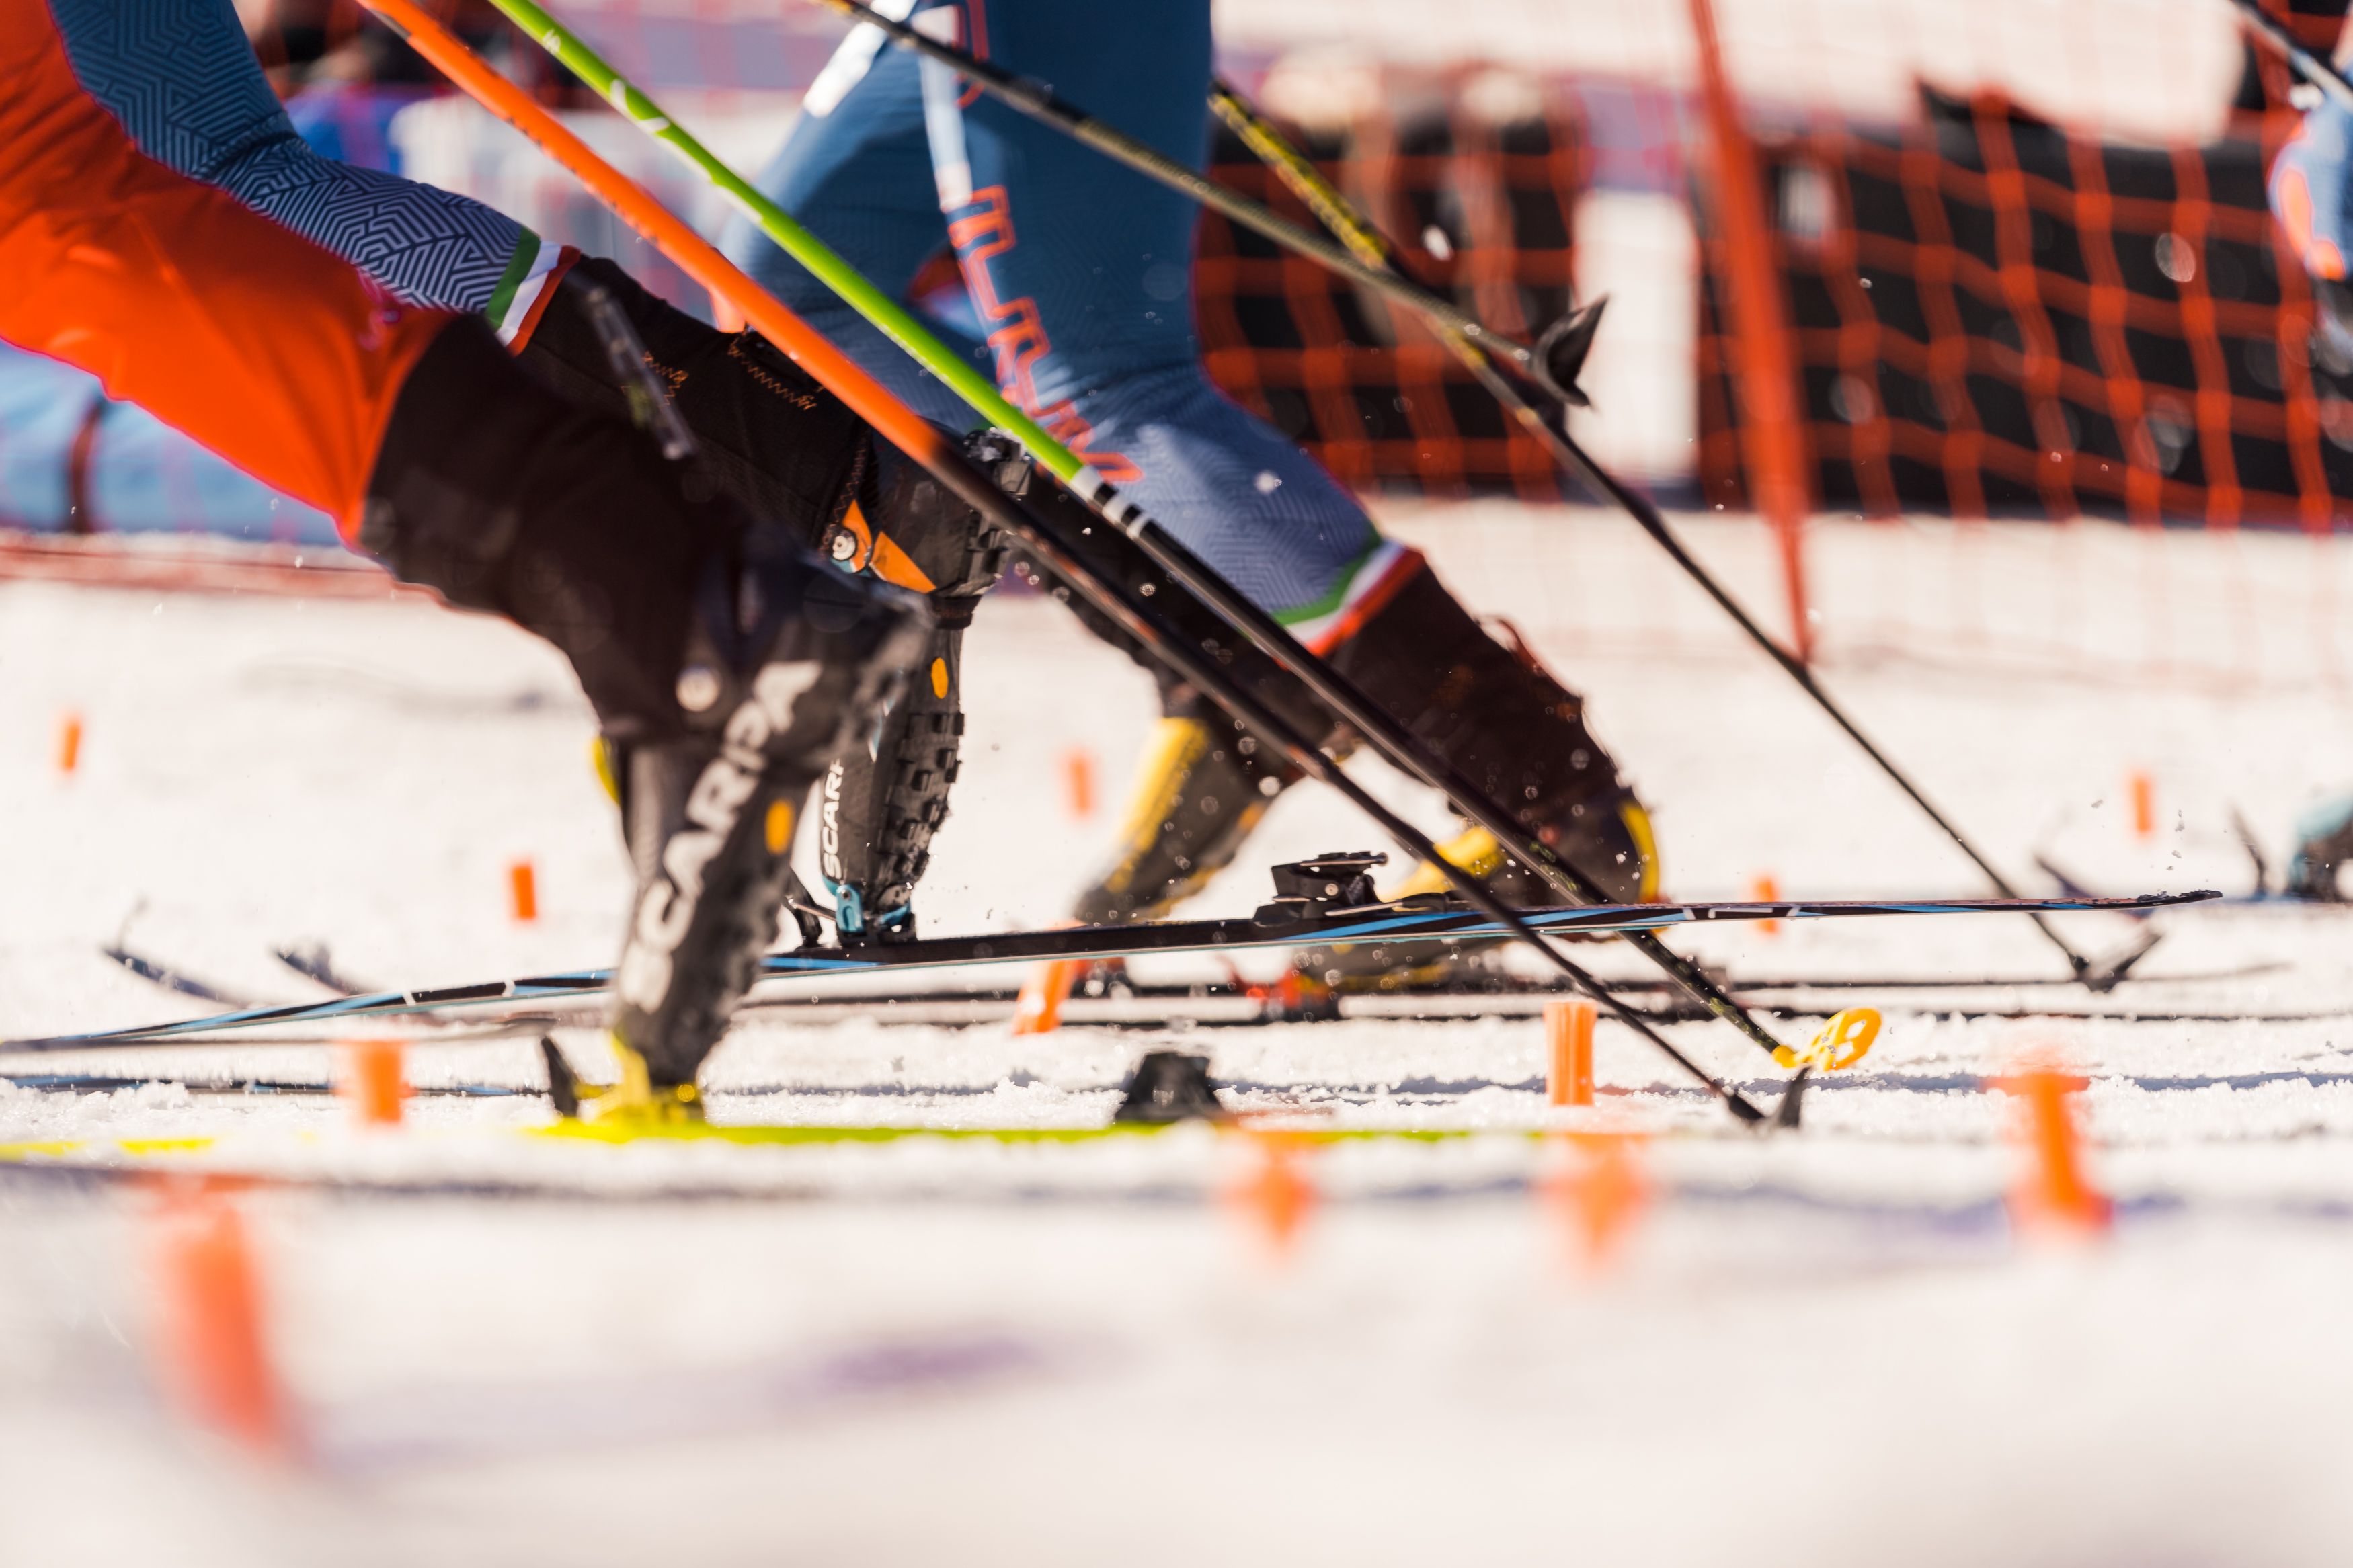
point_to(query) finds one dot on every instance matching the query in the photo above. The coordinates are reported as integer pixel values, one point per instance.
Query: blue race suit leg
(857, 171)
(1081, 271)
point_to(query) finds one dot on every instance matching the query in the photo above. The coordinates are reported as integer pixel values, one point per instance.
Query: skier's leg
(1082, 270)
(857, 172)
(738, 668)
(1492, 713)
(181, 78)
(728, 666)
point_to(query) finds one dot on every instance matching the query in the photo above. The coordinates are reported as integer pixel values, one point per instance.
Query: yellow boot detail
(1637, 819)
(1177, 748)
(634, 1102)
(1475, 851)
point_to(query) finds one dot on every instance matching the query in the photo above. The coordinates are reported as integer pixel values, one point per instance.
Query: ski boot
(884, 802)
(1490, 710)
(727, 667)
(788, 450)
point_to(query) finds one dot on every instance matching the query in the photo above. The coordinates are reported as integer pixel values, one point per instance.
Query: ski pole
(1386, 734)
(1551, 362)
(1357, 232)
(1371, 260)
(926, 444)
(2308, 65)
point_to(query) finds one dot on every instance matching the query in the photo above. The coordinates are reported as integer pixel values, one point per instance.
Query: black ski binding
(1170, 1086)
(1560, 354)
(1309, 890)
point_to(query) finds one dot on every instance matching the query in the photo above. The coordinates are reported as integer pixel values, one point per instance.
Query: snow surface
(1824, 1349)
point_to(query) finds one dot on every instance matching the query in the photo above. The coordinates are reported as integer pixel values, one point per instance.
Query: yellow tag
(780, 828)
(939, 678)
(1840, 1043)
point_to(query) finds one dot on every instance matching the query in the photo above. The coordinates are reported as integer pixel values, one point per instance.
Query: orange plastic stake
(212, 1337)
(2053, 1193)
(69, 743)
(524, 884)
(2144, 804)
(1599, 1192)
(1079, 782)
(1277, 1196)
(1038, 1010)
(1569, 1049)
(374, 1081)
(1765, 890)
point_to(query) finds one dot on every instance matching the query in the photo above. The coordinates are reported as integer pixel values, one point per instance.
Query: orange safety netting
(1995, 316)
(1382, 403)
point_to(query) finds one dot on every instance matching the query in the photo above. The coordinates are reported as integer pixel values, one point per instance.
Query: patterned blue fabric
(1080, 271)
(181, 78)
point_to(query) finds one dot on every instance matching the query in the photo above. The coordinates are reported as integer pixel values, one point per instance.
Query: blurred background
(2024, 275)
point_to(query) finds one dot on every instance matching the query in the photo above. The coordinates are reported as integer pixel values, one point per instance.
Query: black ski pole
(1397, 743)
(1372, 246)
(1041, 103)
(1342, 696)
(1551, 365)
(1335, 209)
(930, 446)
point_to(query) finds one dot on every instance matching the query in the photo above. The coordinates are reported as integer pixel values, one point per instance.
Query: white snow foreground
(1824, 1349)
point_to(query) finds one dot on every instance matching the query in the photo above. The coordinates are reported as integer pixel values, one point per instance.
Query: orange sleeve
(268, 350)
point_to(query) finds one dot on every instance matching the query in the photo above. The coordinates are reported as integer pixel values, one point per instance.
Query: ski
(1125, 1015)
(110, 1083)
(1325, 902)
(1502, 986)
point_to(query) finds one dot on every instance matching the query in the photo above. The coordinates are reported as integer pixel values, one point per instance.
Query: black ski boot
(787, 449)
(729, 666)
(1490, 710)
(1497, 715)
(882, 802)
(1200, 789)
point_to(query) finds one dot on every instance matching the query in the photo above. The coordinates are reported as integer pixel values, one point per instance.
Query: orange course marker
(1039, 1009)
(1079, 782)
(523, 884)
(1569, 1052)
(1277, 1195)
(2053, 1192)
(1765, 890)
(69, 743)
(211, 1334)
(1599, 1191)
(374, 1081)
(2143, 791)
